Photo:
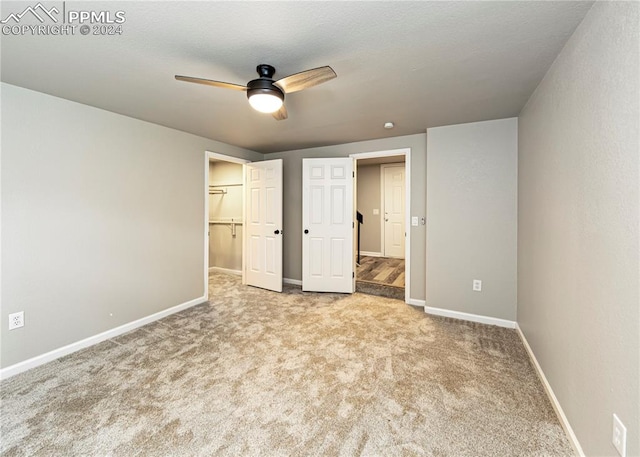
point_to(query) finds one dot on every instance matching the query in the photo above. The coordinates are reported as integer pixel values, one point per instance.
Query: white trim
(225, 270)
(244, 218)
(406, 152)
(382, 211)
(470, 317)
(206, 224)
(226, 158)
(208, 155)
(552, 397)
(295, 282)
(374, 154)
(415, 302)
(95, 339)
(355, 234)
(371, 253)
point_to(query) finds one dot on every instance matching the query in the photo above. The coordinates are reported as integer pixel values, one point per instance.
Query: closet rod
(225, 185)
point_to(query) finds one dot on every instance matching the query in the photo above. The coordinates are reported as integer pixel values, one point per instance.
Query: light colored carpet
(261, 373)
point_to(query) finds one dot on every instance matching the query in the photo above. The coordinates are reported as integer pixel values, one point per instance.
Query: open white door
(263, 224)
(328, 261)
(394, 211)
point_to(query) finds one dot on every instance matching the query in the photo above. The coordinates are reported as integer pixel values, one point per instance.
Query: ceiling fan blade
(210, 82)
(306, 79)
(281, 114)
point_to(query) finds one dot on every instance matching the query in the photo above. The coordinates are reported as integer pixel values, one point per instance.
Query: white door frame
(383, 190)
(207, 156)
(406, 152)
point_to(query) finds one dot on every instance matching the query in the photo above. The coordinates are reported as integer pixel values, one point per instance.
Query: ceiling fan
(265, 94)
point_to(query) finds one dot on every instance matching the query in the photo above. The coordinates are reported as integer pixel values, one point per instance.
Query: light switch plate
(376, 211)
(414, 221)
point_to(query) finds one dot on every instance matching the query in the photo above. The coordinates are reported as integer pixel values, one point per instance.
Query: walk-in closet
(225, 216)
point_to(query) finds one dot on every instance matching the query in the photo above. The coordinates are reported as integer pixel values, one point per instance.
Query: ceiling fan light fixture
(266, 102)
(264, 96)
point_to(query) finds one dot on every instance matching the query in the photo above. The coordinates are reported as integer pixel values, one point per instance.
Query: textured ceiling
(418, 64)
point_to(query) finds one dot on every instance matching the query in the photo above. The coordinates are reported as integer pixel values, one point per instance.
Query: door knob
(306, 231)
(276, 232)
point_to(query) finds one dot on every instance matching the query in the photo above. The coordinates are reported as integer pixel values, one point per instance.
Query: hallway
(382, 276)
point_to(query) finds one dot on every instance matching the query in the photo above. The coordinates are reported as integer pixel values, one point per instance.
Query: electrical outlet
(477, 285)
(619, 439)
(16, 320)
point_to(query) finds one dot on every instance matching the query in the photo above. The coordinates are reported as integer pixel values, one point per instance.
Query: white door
(328, 258)
(393, 207)
(263, 224)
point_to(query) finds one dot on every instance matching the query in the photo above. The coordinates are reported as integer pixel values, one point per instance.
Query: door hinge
(353, 225)
(353, 274)
(353, 174)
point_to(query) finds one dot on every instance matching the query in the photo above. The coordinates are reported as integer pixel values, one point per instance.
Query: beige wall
(368, 179)
(102, 220)
(578, 240)
(472, 217)
(225, 248)
(292, 163)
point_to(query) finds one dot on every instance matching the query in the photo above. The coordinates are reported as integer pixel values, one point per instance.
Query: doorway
(224, 215)
(383, 199)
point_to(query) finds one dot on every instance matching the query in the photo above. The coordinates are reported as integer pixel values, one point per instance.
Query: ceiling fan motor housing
(264, 86)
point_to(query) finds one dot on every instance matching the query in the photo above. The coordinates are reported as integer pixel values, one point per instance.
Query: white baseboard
(415, 302)
(470, 317)
(225, 270)
(371, 254)
(95, 339)
(295, 282)
(552, 396)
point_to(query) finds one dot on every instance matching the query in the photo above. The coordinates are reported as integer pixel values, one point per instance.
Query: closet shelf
(226, 222)
(232, 223)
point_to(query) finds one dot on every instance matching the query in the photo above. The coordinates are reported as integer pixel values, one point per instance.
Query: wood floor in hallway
(381, 270)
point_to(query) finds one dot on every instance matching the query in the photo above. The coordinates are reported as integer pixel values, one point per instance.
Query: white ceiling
(418, 64)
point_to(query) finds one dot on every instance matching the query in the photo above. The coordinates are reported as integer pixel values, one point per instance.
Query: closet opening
(224, 215)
